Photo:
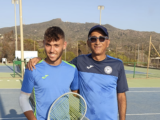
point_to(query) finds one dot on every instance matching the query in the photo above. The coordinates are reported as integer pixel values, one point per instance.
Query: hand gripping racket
(69, 106)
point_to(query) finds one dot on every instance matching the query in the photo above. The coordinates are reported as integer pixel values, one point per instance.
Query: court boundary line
(145, 78)
(144, 87)
(14, 118)
(144, 114)
(9, 88)
(143, 91)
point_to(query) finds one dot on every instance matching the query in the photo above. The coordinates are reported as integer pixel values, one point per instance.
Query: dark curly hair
(54, 33)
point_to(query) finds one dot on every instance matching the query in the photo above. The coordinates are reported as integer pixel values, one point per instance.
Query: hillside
(78, 31)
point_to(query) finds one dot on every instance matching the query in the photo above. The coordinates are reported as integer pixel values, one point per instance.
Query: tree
(8, 46)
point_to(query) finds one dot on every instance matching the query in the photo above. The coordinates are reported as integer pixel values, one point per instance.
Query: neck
(98, 57)
(54, 63)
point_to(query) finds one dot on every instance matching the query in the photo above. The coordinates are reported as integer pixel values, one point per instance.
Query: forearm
(30, 115)
(122, 105)
(25, 106)
(75, 91)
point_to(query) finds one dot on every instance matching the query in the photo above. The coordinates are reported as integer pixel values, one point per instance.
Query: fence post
(134, 69)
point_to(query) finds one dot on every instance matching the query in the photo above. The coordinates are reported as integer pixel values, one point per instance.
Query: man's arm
(25, 106)
(75, 91)
(32, 62)
(30, 115)
(122, 105)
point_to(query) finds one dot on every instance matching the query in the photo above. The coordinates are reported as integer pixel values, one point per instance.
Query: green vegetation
(125, 44)
(123, 57)
(41, 53)
(69, 56)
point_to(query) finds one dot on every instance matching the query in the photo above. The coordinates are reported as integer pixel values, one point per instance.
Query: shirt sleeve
(75, 82)
(28, 81)
(74, 61)
(122, 85)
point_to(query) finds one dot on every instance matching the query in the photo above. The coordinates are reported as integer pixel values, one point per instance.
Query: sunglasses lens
(93, 39)
(101, 39)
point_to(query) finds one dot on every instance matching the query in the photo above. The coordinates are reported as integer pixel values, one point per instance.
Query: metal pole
(65, 54)
(100, 8)
(135, 52)
(77, 48)
(21, 34)
(15, 2)
(138, 52)
(149, 55)
(34, 45)
(100, 18)
(15, 26)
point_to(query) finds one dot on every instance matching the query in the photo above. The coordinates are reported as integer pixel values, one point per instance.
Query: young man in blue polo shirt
(51, 78)
(102, 78)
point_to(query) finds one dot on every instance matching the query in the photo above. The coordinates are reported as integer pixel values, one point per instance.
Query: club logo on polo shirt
(108, 70)
(44, 77)
(88, 67)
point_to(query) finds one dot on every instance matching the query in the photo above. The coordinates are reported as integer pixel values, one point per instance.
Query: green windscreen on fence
(139, 70)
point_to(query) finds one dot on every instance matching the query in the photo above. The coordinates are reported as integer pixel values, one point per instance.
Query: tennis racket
(32, 101)
(69, 106)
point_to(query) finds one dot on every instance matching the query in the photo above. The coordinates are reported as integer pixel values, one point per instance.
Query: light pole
(21, 34)
(100, 7)
(15, 2)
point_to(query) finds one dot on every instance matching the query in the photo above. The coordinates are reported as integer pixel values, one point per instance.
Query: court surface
(142, 104)
(141, 72)
(143, 98)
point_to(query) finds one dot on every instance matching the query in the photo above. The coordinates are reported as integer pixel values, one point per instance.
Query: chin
(97, 52)
(52, 60)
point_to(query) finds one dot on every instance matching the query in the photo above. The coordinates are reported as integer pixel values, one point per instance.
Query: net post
(13, 69)
(149, 56)
(134, 70)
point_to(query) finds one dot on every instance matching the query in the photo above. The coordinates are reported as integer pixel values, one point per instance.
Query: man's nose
(52, 49)
(97, 41)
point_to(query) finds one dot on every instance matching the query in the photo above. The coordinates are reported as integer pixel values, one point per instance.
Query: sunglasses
(101, 38)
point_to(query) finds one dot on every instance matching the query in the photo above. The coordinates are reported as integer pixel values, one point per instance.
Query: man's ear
(43, 43)
(88, 43)
(64, 45)
(108, 42)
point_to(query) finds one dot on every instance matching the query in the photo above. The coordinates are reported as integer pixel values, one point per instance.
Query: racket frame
(73, 93)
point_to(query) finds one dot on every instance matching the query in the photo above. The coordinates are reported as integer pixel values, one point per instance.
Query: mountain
(79, 31)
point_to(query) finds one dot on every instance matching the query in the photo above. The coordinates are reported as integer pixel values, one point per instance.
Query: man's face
(97, 47)
(54, 49)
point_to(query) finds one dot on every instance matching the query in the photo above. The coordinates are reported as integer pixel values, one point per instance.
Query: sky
(139, 15)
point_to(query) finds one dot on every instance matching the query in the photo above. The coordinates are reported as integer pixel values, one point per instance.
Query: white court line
(9, 88)
(145, 114)
(14, 118)
(143, 91)
(145, 87)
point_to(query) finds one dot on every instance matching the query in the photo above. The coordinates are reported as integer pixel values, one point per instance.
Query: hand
(30, 115)
(32, 119)
(32, 62)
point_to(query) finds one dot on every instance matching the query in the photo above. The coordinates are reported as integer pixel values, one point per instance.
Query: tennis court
(141, 72)
(143, 97)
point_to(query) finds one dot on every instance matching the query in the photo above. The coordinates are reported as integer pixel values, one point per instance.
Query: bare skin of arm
(30, 115)
(122, 105)
(32, 62)
(76, 91)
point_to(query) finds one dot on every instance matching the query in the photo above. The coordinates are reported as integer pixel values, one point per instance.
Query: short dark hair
(54, 33)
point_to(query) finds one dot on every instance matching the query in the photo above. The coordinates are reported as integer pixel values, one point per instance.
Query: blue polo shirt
(100, 81)
(49, 83)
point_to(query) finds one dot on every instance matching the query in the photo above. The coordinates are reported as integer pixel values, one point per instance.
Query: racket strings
(58, 112)
(69, 107)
